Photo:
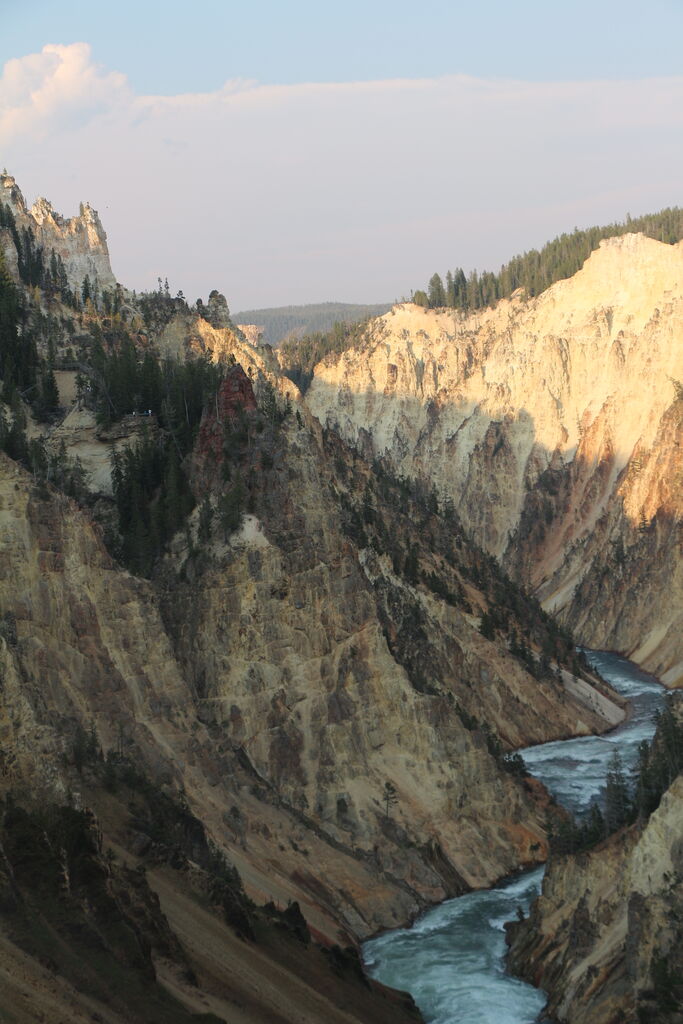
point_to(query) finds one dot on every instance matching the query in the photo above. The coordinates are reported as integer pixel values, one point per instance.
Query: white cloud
(360, 190)
(58, 87)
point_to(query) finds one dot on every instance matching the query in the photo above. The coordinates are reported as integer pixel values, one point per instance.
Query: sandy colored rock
(527, 415)
(80, 241)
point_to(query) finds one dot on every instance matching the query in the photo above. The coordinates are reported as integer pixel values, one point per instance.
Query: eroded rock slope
(535, 418)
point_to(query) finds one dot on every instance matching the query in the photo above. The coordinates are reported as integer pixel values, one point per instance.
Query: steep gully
(451, 959)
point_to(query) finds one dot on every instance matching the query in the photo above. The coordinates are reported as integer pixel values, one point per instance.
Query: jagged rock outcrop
(605, 937)
(191, 334)
(80, 241)
(527, 416)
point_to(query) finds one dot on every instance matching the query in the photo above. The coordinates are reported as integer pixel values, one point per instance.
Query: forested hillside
(537, 269)
(293, 321)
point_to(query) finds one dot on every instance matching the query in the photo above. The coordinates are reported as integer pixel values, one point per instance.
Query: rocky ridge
(80, 241)
(256, 679)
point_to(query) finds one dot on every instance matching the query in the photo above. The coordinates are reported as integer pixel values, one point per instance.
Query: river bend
(451, 959)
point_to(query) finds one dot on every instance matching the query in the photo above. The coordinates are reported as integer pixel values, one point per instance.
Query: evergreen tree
(389, 797)
(436, 292)
(47, 403)
(617, 801)
(205, 521)
(230, 509)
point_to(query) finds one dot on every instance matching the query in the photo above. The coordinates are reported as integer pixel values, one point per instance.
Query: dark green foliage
(46, 404)
(160, 307)
(660, 762)
(205, 521)
(618, 807)
(55, 468)
(18, 354)
(152, 496)
(37, 268)
(487, 626)
(411, 566)
(300, 355)
(436, 292)
(176, 837)
(389, 797)
(437, 537)
(88, 920)
(629, 799)
(567, 835)
(151, 490)
(85, 749)
(269, 407)
(667, 985)
(536, 270)
(514, 764)
(231, 509)
(122, 382)
(453, 594)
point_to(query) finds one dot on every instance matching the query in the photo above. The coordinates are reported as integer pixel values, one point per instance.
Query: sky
(304, 152)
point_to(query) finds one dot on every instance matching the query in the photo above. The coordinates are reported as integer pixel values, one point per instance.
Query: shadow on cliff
(578, 526)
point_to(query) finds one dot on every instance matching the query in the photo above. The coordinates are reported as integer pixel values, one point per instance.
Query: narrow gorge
(267, 657)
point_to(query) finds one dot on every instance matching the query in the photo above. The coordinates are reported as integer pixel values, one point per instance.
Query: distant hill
(286, 321)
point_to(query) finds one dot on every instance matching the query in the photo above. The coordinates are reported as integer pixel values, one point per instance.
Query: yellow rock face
(575, 382)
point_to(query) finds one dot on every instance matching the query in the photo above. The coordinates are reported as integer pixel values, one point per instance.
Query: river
(452, 959)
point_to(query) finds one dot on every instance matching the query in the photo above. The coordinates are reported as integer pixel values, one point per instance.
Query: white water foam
(452, 959)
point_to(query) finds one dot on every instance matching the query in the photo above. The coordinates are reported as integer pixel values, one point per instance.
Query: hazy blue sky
(300, 151)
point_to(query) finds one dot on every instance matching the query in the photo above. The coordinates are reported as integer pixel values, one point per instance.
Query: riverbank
(452, 958)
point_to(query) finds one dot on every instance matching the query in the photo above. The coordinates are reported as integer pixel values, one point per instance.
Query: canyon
(298, 731)
(553, 426)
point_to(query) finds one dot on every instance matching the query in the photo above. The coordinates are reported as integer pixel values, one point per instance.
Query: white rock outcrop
(80, 241)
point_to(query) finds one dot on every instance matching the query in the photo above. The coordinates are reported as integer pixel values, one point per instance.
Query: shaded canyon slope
(553, 426)
(269, 686)
(605, 939)
(299, 730)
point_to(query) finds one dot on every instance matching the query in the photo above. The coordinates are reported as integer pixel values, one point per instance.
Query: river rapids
(452, 958)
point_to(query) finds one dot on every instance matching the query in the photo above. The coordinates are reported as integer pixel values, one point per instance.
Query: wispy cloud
(350, 190)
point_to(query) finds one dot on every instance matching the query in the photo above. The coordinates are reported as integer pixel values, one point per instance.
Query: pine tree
(436, 292)
(390, 797)
(617, 801)
(205, 520)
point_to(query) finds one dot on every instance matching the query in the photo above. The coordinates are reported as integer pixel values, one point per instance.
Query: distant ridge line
(280, 322)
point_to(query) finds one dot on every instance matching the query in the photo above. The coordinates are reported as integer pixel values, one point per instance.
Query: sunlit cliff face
(525, 416)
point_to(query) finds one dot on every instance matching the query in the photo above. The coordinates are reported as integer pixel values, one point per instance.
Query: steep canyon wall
(551, 426)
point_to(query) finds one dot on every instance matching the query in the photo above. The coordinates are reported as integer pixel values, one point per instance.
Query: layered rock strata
(528, 417)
